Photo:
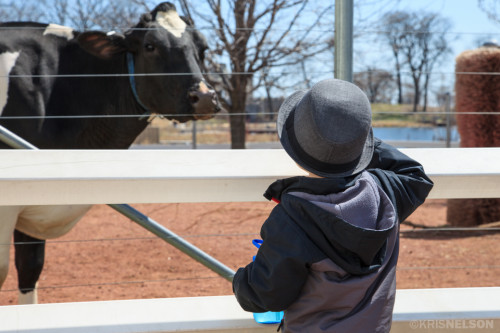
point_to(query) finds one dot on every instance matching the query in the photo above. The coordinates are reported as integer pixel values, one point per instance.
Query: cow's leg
(30, 255)
(34, 224)
(8, 219)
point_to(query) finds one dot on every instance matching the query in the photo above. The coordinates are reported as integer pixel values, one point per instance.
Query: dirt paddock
(108, 257)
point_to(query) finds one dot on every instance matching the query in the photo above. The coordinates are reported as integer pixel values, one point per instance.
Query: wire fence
(200, 276)
(426, 232)
(291, 30)
(234, 114)
(288, 72)
(470, 232)
(310, 73)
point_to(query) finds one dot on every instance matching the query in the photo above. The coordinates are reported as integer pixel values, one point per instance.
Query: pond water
(415, 133)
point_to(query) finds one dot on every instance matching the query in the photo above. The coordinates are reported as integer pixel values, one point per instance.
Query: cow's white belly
(42, 222)
(45, 222)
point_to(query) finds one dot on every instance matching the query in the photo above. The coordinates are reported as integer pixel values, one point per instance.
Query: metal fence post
(174, 240)
(343, 39)
(14, 140)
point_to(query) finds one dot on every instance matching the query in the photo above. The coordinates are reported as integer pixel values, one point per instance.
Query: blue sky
(469, 24)
(467, 19)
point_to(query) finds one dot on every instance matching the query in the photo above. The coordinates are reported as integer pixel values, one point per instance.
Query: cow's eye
(150, 47)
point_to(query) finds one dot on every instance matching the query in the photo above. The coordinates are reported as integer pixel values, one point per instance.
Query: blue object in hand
(266, 317)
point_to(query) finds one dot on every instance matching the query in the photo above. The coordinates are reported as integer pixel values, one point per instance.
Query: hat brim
(284, 113)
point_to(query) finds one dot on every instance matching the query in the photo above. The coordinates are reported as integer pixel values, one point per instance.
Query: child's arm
(402, 178)
(276, 277)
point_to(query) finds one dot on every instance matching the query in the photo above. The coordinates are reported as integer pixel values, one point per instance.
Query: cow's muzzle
(204, 100)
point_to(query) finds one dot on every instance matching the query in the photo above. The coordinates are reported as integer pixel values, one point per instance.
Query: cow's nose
(204, 100)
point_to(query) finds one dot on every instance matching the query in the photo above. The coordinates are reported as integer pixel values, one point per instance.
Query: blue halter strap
(131, 72)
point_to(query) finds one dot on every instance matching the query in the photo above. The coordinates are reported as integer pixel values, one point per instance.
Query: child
(331, 245)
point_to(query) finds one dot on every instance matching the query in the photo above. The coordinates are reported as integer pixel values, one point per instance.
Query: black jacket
(331, 246)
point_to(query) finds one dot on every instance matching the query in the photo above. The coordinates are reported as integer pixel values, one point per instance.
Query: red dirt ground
(107, 257)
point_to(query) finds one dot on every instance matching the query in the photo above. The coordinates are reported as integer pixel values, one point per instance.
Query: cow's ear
(101, 44)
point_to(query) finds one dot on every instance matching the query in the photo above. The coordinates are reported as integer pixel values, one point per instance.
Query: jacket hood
(349, 220)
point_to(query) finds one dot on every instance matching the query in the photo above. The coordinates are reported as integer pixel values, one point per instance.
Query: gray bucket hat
(327, 129)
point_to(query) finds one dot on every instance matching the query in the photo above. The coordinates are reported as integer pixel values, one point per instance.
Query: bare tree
(79, 14)
(256, 38)
(491, 8)
(376, 83)
(20, 11)
(394, 29)
(435, 46)
(61, 14)
(418, 42)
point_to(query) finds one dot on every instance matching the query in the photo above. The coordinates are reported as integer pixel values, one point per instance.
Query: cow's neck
(133, 86)
(117, 120)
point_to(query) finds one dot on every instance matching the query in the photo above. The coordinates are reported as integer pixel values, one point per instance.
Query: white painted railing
(422, 310)
(160, 176)
(29, 177)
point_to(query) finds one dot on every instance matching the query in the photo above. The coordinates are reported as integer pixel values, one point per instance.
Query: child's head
(327, 129)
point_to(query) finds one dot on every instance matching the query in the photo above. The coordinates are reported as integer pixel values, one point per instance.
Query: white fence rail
(46, 177)
(43, 177)
(416, 311)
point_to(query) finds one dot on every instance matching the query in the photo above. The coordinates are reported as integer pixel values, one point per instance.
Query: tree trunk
(416, 97)
(238, 119)
(426, 91)
(238, 131)
(399, 83)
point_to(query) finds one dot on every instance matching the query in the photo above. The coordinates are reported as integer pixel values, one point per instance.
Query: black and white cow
(73, 90)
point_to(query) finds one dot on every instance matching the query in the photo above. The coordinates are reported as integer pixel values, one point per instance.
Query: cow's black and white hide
(73, 90)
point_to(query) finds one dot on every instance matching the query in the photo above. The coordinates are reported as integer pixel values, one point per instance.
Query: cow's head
(162, 43)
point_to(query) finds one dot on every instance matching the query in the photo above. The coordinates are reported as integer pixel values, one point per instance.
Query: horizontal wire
(187, 28)
(115, 283)
(409, 268)
(108, 75)
(226, 74)
(53, 241)
(451, 229)
(205, 28)
(88, 285)
(231, 114)
(433, 113)
(410, 231)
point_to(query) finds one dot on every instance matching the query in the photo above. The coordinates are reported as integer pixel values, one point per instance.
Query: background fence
(72, 177)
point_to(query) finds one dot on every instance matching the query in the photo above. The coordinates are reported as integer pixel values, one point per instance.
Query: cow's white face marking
(172, 22)
(59, 30)
(7, 62)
